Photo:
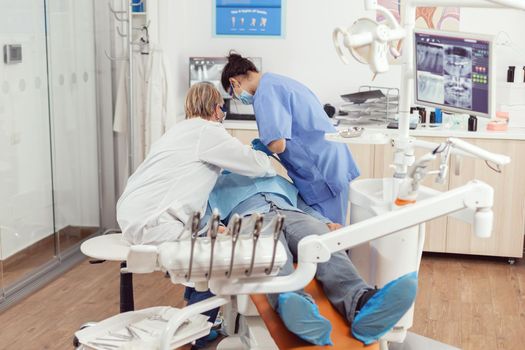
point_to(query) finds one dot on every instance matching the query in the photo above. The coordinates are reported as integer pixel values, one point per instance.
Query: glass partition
(71, 55)
(26, 193)
(49, 183)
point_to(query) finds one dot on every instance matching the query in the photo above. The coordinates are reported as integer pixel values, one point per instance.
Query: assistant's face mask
(224, 112)
(245, 97)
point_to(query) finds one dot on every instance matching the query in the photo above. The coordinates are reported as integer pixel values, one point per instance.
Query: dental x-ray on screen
(453, 72)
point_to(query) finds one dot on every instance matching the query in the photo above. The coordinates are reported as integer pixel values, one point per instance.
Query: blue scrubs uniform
(320, 169)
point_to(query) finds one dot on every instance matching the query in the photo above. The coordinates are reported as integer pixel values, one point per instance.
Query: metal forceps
(255, 238)
(277, 231)
(236, 228)
(212, 232)
(195, 221)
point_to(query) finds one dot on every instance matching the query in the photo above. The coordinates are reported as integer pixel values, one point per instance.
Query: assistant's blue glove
(259, 146)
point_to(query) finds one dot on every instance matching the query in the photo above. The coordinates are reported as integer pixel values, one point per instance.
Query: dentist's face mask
(245, 97)
(222, 115)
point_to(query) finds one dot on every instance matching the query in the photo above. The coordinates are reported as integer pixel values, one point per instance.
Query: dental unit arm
(409, 187)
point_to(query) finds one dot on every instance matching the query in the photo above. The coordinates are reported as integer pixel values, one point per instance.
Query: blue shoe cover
(213, 335)
(301, 317)
(385, 309)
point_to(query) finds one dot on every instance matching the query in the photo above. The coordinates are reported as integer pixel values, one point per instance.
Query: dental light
(370, 42)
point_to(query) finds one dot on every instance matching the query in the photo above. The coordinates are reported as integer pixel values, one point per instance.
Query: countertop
(510, 134)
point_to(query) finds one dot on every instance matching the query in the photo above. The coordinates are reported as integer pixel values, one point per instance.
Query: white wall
(499, 23)
(306, 52)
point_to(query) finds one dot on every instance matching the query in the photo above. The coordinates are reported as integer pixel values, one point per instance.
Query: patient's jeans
(193, 297)
(340, 280)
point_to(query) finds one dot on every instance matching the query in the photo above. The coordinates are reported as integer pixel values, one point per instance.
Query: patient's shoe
(385, 308)
(301, 317)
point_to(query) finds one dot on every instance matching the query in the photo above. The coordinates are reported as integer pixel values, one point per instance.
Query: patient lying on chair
(371, 312)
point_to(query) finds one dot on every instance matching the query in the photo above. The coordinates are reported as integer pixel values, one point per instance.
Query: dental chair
(236, 266)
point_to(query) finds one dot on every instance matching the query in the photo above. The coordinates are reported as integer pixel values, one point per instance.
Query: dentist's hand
(259, 146)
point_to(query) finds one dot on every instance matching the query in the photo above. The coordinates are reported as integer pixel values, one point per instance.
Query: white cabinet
(509, 202)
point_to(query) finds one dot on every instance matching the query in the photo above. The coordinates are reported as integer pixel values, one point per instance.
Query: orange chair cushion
(285, 340)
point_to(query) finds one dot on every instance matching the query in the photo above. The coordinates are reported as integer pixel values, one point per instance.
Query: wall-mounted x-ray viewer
(12, 53)
(210, 69)
(454, 71)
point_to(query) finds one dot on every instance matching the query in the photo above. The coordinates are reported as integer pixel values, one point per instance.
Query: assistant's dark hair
(237, 65)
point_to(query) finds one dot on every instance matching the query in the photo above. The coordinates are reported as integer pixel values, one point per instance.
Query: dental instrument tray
(354, 131)
(370, 105)
(363, 96)
(142, 329)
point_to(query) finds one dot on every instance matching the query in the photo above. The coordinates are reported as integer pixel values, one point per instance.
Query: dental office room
(152, 196)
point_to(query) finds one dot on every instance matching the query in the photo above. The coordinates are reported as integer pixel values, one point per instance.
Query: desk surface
(511, 134)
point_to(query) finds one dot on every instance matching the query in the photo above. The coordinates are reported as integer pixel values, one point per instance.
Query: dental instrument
(195, 220)
(279, 224)
(212, 233)
(236, 228)
(255, 239)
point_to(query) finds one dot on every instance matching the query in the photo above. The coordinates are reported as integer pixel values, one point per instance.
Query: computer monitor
(454, 71)
(210, 69)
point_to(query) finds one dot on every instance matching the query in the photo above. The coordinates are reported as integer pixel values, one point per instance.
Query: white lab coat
(153, 100)
(177, 177)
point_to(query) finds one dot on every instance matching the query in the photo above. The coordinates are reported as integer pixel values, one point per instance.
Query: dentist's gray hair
(202, 100)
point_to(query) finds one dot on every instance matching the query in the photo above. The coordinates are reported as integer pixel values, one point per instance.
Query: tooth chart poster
(249, 18)
(441, 18)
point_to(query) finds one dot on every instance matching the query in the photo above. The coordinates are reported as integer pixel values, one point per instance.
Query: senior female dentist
(181, 169)
(292, 124)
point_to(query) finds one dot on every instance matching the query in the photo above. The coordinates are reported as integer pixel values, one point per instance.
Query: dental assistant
(292, 124)
(181, 169)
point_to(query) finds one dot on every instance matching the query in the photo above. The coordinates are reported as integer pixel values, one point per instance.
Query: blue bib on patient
(232, 189)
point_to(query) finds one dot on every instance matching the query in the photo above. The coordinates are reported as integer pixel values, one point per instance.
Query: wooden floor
(28, 260)
(470, 303)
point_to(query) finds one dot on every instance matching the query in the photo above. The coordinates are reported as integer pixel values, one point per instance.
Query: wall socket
(12, 53)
